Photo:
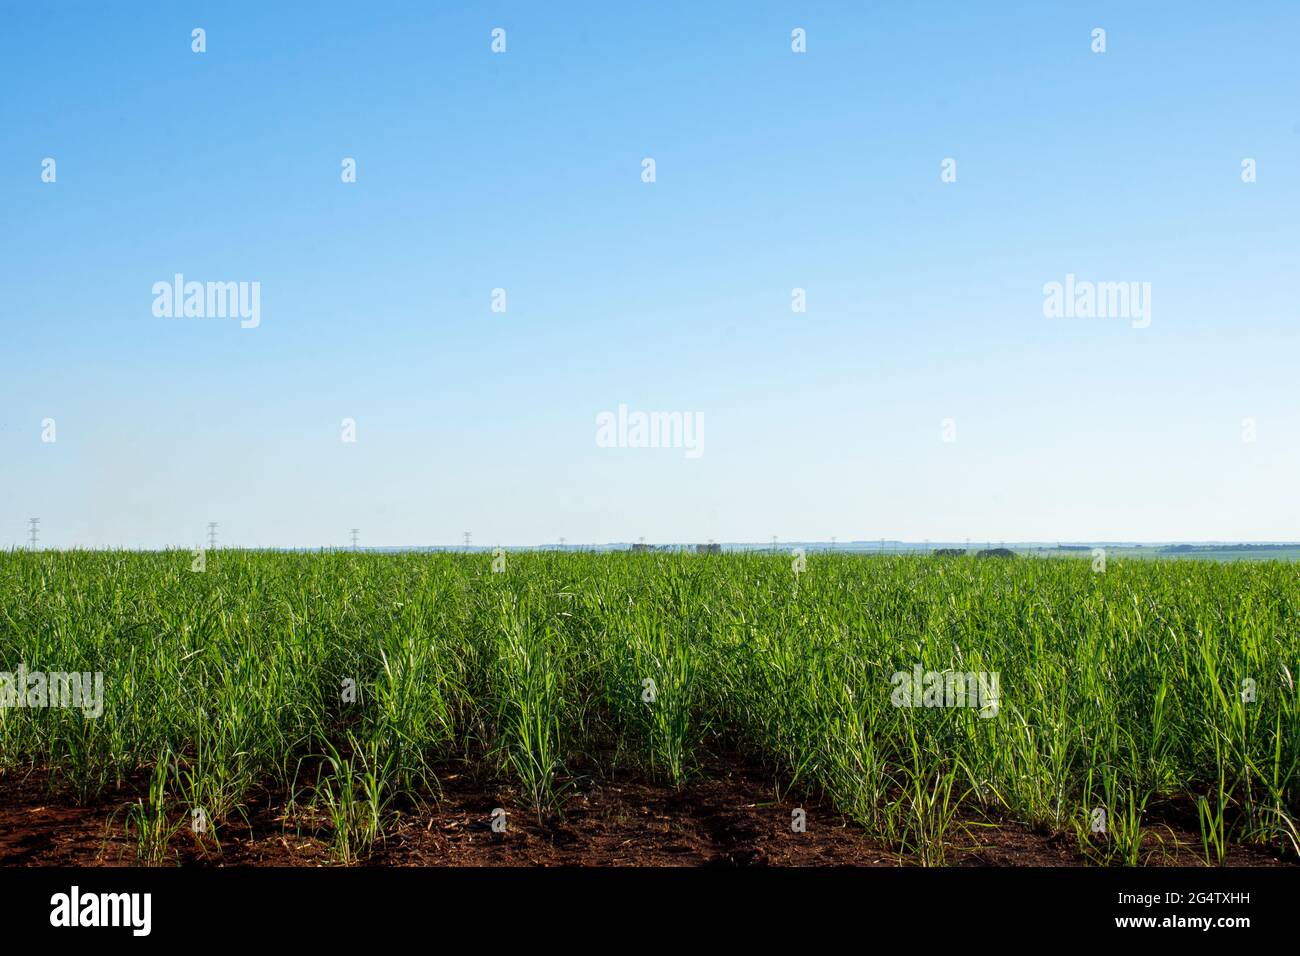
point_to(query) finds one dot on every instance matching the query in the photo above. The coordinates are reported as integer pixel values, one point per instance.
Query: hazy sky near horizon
(774, 171)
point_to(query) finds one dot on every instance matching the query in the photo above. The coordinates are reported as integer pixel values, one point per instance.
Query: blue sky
(522, 171)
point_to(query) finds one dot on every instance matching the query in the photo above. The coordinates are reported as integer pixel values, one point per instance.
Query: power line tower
(33, 526)
(466, 540)
(212, 536)
(353, 533)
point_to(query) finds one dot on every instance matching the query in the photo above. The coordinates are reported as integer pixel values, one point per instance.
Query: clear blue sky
(775, 170)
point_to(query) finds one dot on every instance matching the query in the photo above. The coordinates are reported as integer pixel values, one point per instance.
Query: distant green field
(1152, 690)
(1197, 553)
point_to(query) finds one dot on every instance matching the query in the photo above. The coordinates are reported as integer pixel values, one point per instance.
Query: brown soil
(727, 818)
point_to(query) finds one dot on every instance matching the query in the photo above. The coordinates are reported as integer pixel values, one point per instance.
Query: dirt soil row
(727, 818)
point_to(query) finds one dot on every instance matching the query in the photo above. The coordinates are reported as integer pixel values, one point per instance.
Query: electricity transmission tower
(33, 528)
(212, 535)
(353, 533)
(466, 540)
